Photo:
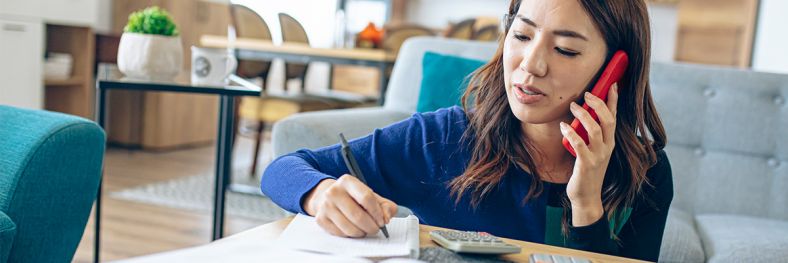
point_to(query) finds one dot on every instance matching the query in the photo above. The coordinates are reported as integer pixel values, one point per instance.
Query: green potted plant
(150, 47)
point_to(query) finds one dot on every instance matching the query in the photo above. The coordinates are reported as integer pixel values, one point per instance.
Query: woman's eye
(521, 37)
(566, 52)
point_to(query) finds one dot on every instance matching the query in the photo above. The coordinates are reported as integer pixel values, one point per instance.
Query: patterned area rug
(195, 193)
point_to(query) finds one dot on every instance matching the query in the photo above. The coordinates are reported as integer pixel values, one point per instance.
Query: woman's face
(550, 55)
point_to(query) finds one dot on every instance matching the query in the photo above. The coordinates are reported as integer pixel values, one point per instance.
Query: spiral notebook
(303, 233)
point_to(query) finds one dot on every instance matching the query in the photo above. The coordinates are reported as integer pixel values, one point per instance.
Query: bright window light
(360, 13)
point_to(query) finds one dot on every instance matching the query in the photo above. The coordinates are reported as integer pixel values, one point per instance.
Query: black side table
(223, 140)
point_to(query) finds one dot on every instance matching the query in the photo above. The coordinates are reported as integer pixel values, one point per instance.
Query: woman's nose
(533, 62)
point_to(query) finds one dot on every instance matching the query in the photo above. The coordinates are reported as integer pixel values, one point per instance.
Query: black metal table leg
(100, 118)
(223, 163)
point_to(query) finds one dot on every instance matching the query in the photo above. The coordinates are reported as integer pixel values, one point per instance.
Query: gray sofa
(728, 146)
(726, 142)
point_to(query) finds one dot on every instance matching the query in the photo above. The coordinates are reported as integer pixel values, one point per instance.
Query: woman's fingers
(365, 197)
(324, 222)
(581, 149)
(342, 198)
(350, 208)
(343, 223)
(607, 121)
(612, 100)
(389, 208)
(591, 126)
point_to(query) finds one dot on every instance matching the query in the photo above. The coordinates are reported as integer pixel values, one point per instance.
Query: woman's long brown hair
(499, 145)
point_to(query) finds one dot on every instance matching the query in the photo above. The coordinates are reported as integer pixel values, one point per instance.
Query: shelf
(73, 95)
(73, 81)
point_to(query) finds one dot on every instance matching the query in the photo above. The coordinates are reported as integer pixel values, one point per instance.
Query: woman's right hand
(347, 207)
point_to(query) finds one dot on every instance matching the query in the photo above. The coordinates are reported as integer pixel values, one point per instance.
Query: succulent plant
(152, 20)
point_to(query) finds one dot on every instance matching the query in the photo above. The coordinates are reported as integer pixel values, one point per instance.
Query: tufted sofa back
(727, 138)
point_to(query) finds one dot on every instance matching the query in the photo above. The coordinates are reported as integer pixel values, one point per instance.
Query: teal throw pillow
(444, 79)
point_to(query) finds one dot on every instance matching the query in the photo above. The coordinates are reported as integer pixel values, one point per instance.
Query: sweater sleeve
(641, 235)
(398, 161)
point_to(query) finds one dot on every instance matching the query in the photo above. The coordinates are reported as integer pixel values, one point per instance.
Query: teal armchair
(50, 167)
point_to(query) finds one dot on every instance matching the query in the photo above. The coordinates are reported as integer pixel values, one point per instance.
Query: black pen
(352, 165)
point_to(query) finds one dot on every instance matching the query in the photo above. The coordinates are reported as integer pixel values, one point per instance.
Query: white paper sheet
(242, 251)
(305, 234)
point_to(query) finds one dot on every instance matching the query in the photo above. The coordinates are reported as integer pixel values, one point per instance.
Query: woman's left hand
(585, 186)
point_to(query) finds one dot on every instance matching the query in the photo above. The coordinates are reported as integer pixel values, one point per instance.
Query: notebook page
(304, 233)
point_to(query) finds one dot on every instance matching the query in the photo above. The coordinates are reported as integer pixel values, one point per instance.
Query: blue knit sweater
(411, 162)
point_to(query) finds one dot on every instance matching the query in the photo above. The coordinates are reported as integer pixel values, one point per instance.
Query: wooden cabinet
(75, 95)
(21, 53)
(717, 32)
(61, 26)
(161, 121)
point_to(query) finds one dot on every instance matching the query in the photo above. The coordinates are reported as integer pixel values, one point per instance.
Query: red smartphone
(612, 74)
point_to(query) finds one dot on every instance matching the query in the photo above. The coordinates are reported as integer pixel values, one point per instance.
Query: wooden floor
(132, 229)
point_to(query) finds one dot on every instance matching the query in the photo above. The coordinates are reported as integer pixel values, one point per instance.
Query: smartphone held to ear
(612, 74)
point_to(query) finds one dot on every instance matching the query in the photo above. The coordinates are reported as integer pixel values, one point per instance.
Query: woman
(497, 164)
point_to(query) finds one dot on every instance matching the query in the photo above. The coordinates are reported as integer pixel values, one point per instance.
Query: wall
(438, 13)
(104, 17)
(771, 37)
(664, 29)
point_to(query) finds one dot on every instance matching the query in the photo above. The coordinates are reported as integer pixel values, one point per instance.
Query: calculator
(472, 242)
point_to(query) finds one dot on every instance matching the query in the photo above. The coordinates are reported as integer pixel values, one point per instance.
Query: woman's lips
(527, 94)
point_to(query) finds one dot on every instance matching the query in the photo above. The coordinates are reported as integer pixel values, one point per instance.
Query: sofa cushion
(736, 238)
(443, 80)
(681, 242)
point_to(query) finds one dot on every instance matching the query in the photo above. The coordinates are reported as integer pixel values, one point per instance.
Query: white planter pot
(150, 57)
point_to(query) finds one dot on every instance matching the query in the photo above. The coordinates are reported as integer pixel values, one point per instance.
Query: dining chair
(248, 24)
(293, 32)
(486, 33)
(396, 35)
(270, 107)
(264, 111)
(462, 30)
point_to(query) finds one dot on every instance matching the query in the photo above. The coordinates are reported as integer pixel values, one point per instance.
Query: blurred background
(160, 163)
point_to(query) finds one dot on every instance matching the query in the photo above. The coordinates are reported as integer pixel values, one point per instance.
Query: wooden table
(272, 230)
(267, 234)
(255, 49)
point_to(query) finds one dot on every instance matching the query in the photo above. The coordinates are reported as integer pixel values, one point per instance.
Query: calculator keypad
(472, 242)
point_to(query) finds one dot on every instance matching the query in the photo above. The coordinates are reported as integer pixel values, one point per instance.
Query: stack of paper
(305, 234)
